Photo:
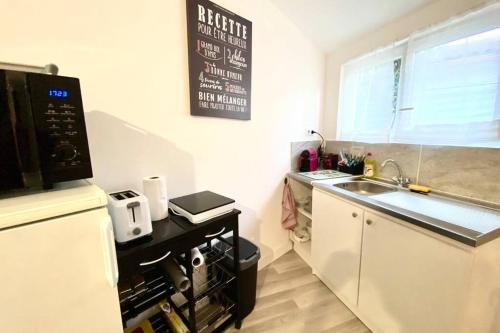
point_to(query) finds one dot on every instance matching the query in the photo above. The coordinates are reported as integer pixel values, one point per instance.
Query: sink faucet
(399, 179)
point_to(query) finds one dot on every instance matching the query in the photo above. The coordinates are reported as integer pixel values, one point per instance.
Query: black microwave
(43, 139)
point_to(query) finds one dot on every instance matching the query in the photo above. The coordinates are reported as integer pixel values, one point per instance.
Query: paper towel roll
(155, 189)
(176, 274)
(197, 258)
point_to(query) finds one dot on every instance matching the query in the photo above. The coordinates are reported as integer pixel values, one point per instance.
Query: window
(369, 91)
(447, 91)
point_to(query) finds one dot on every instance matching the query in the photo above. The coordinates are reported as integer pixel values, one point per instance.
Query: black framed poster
(220, 61)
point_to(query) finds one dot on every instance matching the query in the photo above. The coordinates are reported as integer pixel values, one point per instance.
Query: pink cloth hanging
(288, 211)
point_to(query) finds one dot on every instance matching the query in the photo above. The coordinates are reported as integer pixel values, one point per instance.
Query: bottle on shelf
(174, 321)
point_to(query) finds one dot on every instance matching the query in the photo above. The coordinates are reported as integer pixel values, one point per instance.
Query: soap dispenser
(370, 166)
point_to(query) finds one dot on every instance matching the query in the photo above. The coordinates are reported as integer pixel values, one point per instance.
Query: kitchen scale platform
(324, 174)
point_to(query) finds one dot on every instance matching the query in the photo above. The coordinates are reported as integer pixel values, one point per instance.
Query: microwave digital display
(58, 93)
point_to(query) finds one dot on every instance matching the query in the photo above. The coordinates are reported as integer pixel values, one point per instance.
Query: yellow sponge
(419, 188)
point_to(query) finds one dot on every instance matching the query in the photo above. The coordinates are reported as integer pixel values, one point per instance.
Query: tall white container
(155, 189)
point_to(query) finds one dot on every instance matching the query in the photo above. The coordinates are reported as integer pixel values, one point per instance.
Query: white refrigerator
(58, 269)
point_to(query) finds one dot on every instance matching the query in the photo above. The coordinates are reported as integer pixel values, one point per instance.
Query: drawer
(203, 232)
(171, 238)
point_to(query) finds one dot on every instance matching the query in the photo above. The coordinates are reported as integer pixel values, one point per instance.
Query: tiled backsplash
(471, 172)
(464, 171)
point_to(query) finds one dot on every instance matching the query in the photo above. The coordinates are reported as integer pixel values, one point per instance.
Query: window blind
(368, 98)
(452, 81)
(449, 91)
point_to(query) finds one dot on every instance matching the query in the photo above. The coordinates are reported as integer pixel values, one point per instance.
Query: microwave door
(25, 142)
(10, 169)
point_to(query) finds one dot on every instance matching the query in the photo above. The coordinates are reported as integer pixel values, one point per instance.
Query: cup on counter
(330, 162)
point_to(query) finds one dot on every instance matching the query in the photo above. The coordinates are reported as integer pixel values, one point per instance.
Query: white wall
(131, 57)
(434, 13)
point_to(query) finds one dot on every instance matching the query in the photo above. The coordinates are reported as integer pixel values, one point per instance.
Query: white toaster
(130, 214)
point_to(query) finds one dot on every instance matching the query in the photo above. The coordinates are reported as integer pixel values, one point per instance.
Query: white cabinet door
(410, 281)
(59, 276)
(336, 244)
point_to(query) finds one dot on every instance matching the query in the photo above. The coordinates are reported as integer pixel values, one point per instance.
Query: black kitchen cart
(175, 237)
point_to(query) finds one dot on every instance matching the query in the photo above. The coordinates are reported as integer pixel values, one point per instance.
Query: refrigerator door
(60, 276)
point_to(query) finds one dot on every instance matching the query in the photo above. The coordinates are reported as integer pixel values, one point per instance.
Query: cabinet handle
(354, 214)
(147, 263)
(369, 222)
(216, 234)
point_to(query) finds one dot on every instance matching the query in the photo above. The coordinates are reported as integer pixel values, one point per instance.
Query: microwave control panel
(57, 109)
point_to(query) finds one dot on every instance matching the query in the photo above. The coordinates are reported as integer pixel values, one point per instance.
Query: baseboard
(282, 250)
(266, 260)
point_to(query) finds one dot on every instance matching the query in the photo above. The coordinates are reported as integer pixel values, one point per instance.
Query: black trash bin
(249, 257)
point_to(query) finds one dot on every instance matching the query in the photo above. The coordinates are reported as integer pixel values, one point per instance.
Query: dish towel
(288, 212)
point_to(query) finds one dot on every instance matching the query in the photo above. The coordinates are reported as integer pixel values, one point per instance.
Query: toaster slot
(130, 194)
(124, 195)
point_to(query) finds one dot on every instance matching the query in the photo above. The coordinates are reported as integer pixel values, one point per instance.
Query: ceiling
(330, 23)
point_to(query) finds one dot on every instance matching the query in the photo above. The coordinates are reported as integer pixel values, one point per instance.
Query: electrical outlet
(310, 132)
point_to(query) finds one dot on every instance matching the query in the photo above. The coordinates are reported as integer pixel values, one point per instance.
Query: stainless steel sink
(364, 187)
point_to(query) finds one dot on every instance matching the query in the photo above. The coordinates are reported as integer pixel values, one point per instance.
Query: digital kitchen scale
(202, 206)
(324, 174)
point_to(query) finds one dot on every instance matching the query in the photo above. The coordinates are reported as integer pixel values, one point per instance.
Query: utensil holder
(353, 170)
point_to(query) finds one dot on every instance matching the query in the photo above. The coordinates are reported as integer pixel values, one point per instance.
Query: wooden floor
(290, 299)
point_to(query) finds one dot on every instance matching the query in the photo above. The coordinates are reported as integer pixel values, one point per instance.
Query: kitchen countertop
(300, 178)
(463, 221)
(308, 180)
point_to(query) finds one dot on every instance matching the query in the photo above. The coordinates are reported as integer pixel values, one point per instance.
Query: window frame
(470, 24)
